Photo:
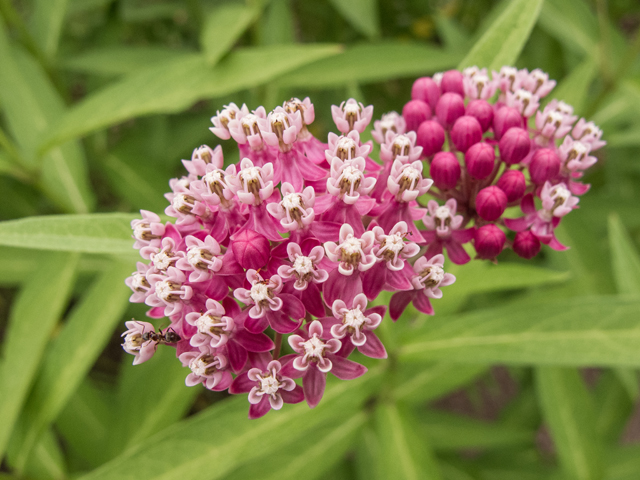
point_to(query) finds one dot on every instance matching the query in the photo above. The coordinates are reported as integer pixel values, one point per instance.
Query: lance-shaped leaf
(83, 337)
(32, 106)
(361, 14)
(369, 63)
(403, 453)
(176, 85)
(568, 410)
(502, 43)
(34, 315)
(624, 258)
(313, 460)
(574, 88)
(48, 17)
(598, 330)
(93, 233)
(189, 449)
(223, 26)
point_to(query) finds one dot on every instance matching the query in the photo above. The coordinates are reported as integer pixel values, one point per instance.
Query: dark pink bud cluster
(491, 146)
(288, 245)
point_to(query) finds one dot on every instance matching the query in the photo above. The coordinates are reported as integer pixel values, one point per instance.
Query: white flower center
(436, 274)
(523, 95)
(443, 212)
(401, 142)
(161, 260)
(184, 183)
(205, 323)
(580, 149)
(555, 117)
(269, 385)
(395, 243)
(351, 174)
(564, 108)
(198, 366)
(314, 347)
(561, 193)
(346, 143)
(214, 176)
(351, 245)
(250, 173)
(139, 282)
(351, 108)
(164, 289)
(195, 257)
(354, 318)
(259, 292)
(470, 71)
(291, 201)
(411, 174)
(140, 230)
(303, 265)
(133, 341)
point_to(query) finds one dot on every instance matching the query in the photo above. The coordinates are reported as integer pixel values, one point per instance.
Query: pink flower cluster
(298, 237)
(491, 143)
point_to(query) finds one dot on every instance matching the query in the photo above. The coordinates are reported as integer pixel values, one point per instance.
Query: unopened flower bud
(452, 81)
(514, 145)
(450, 107)
(491, 203)
(480, 160)
(445, 170)
(466, 132)
(250, 249)
(504, 119)
(545, 165)
(489, 241)
(513, 184)
(526, 244)
(430, 137)
(427, 90)
(415, 112)
(483, 111)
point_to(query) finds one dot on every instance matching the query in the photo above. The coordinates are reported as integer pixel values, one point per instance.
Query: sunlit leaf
(83, 337)
(624, 258)
(189, 448)
(574, 88)
(598, 330)
(93, 233)
(369, 63)
(32, 106)
(47, 21)
(361, 14)
(34, 315)
(573, 23)
(502, 43)
(222, 27)
(176, 85)
(568, 410)
(404, 454)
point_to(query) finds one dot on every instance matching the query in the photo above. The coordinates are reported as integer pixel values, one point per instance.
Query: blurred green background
(527, 371)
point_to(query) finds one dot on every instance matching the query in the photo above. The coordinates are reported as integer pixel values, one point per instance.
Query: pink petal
(313, 385)
(346, 369)
(399, 302)
(423, 304)
(457, 254)
(260, 409)
(292, 306)
(373, 280)
(280, 322)
(256, 325)
(294, 396)
(312, 300)
(253, 342)
(241, 384)
(373, 347)
(341, 287)
(237, 356)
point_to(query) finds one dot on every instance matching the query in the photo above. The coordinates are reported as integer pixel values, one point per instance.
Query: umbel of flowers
(291, 243)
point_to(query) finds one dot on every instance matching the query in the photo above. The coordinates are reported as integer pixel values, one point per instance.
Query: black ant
(168, 337)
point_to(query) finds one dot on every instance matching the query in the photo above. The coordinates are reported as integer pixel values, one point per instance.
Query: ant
(168, 337)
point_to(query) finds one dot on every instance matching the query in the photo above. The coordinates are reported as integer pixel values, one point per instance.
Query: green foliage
(99, 101)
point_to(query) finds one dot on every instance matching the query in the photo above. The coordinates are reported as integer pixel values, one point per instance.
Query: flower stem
(276, 352)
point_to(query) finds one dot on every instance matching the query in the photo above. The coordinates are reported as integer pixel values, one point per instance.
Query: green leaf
(613, 405)
(86, 422)
(277, 24)
(93, 233)
(46, 462)
(361, 14)
(568, 410)
(453, 35)
(599, 330)
(151, 396)
(34, 315)
(175, 86)
(502, 43)
(419, 385)
(447, 431)
(572, 23)
(190, 448)
(86, 332)
(404, 454)
(623, 463)
(368, 63)
(32, 106)
(222, 28)
(48, 18)
(309, 460)
(574, 88)
(120, 60)
(624, 258)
